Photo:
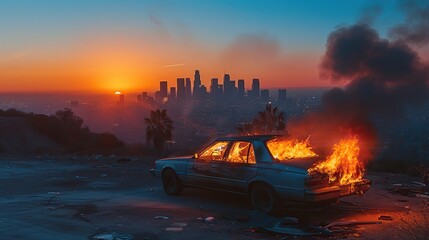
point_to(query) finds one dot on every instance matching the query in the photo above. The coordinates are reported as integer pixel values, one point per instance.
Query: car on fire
(247, 165)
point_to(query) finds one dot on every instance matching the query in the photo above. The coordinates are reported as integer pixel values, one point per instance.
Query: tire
(171, 183)
(264, 199)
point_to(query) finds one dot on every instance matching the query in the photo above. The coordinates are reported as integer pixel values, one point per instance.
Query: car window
(251, 158)
(214, 152)
(241, 152)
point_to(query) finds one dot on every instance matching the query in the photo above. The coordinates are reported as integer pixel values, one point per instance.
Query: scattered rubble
(415, 189)
(162, 217)
(209, 219)
(385, 217)
(176, 227)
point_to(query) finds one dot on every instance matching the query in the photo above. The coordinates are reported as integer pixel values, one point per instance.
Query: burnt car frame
(245, 165)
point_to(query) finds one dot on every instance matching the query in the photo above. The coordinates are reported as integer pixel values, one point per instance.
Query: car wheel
(171, 183)
(264, 199)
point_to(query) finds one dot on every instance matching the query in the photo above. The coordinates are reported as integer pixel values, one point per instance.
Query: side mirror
(196, 155)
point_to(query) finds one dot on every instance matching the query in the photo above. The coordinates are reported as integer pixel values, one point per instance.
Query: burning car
(269, 169)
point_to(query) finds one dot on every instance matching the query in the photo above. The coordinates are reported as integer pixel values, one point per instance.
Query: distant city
(227, 90)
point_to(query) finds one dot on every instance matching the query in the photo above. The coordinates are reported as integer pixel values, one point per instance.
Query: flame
(343, 165)
(283, 149)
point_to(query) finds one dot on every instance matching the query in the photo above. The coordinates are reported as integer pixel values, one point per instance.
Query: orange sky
(130, 65)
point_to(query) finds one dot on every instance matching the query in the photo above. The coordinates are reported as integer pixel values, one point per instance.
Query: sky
(131, 45)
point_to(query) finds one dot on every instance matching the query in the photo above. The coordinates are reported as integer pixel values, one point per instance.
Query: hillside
(17, 135)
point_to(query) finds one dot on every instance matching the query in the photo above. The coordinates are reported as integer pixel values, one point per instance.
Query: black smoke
(415, 29)
(382, 78)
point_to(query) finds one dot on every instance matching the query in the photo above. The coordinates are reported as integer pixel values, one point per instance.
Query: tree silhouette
(266, 122)
(159, 129)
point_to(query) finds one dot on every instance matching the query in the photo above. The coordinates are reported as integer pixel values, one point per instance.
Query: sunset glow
(144, 42)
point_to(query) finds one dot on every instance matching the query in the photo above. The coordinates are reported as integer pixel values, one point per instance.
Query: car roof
(248, 138)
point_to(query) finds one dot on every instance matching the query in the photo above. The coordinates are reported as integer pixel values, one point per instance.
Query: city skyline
(230, 89)
(108, 46)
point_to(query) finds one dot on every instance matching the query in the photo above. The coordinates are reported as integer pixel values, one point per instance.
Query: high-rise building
(197, 84)
(282, 96)
(188, 88)
(144, 96)
(228, 86)
(181, 95)
(265, 95)
(158, 97)
(214, 87)
(203, 90)
(240, 88)
(256, 88)
(172, 95)
(163, 89)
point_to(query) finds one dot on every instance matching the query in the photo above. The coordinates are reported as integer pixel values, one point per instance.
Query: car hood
(303, 163)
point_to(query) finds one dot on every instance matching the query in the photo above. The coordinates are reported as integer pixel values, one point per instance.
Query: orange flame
(343, 165)
(283, 149)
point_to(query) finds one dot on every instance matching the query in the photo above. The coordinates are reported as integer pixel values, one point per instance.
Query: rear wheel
(264, 199)
(171, 183)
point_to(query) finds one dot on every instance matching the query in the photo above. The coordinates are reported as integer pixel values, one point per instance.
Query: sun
(118, 93)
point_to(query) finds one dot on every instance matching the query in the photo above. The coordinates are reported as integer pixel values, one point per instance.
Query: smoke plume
(381, 78)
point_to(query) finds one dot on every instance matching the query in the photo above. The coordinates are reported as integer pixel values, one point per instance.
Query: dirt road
(84, 198)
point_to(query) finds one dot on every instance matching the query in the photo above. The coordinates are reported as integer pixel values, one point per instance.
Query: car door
(205, 170)
(239, 166)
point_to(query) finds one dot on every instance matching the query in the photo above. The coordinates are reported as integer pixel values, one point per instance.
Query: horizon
(109, 46)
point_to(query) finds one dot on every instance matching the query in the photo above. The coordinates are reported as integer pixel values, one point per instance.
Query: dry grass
(417, 226)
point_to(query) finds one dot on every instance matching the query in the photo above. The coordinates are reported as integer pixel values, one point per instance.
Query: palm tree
(159, 129)
(266, 122)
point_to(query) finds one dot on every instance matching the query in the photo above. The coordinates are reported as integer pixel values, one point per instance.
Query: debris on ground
(112, 236)
(416, 189)
(351, 222)
(176, 227)
(208, 219)
(162, 217)
(385, 217)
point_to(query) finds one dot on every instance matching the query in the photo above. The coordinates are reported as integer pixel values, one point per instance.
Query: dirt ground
(48, 197)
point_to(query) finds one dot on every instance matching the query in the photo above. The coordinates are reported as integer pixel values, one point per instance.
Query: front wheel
(171, 183)
(264, 199)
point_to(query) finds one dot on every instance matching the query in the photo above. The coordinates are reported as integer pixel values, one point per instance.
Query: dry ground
(52, 197)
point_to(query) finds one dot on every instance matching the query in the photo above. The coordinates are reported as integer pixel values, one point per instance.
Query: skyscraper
(188, 89)
(214, 86)
(181, 89)
(256, 88)
(282, 96)
(265, 95)
(197, 84)
(163, 89)
(172, 95)
(227, 85)
(240, 88)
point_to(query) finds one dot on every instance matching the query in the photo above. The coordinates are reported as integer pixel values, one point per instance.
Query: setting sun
(118, 93)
